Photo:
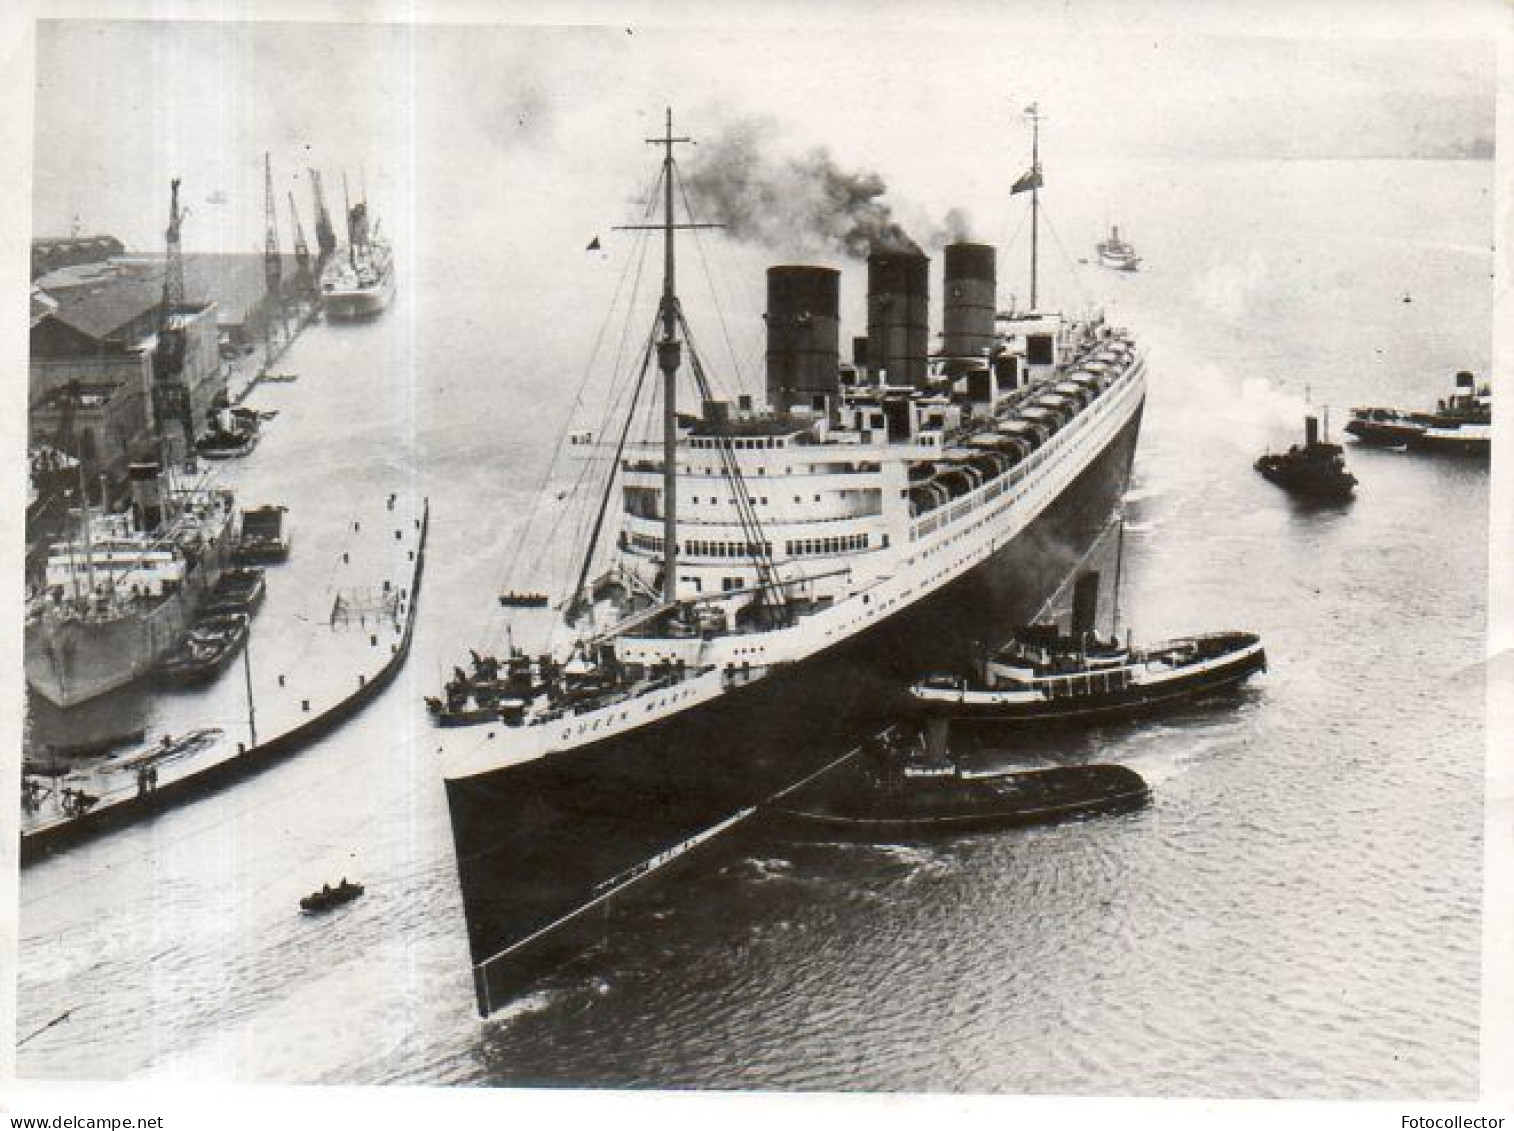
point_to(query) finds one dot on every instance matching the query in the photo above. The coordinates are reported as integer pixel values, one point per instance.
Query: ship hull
(359, 304)
(544, 845)
(1383, 434)
(1455, 442)
(69, 662)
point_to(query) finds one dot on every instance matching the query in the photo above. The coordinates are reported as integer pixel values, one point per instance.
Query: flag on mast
(1031, 180)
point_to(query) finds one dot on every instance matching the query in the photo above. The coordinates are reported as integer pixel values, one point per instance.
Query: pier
(316, 654)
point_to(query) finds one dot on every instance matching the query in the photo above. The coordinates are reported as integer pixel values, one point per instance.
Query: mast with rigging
(669, 356)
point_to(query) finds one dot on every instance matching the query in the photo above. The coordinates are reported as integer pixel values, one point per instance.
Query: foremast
(669, 357)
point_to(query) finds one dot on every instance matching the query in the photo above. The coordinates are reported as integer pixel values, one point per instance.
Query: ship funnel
(1465, 382)
(803, 356)
(898, 299)
(146, 495)
(968, 301)
(1085, 605)
(1311, 430)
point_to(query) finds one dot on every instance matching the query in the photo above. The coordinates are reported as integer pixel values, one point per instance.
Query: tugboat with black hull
(774, 577)
(904, 784)
(1315, 470)
(1045, 676)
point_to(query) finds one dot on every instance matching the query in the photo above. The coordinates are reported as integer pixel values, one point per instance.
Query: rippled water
(1296, 914)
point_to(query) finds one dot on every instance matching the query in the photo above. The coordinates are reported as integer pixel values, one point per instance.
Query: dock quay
(316, 654)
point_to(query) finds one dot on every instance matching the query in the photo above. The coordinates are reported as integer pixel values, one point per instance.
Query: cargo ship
(1461, 424)
(361, 284)
(125, 588)
(774, 577)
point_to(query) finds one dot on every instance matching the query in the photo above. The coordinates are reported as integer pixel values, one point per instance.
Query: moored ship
(125, 589)
(360, 284)
(773, 574)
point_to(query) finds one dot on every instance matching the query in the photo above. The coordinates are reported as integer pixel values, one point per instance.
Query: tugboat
(1044, 676)
(904, 784)
(329, 897)
(1115, 252)
(1317, 469)
(1461, 424)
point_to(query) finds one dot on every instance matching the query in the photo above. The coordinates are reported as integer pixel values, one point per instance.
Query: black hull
(922, 810)
(1378, 435)
(1308, 485)
(542, 846)
(1451, 446)
(1415, 437)
(1108, 707)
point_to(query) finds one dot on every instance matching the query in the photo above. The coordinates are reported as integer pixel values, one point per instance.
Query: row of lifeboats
(1035, 420)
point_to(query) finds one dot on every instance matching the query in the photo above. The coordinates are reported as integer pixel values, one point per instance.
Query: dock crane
(304, 281)
(170, 395)
(273, 267)
(325, 234)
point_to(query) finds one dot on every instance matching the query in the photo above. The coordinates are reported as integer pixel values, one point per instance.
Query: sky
(450, 125)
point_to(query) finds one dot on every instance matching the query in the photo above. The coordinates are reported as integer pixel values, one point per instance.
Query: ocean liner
(361, 284)
(776, 577)
(125, 588)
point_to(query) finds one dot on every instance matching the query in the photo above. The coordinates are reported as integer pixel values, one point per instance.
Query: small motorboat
(329, 897)
(523, 600)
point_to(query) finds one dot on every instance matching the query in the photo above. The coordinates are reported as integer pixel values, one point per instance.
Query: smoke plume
(804, 204)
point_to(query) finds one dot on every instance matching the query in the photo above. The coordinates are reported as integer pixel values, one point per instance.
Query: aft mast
(1033, 113)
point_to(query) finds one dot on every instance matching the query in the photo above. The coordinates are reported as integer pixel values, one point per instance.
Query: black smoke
(806, 203)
